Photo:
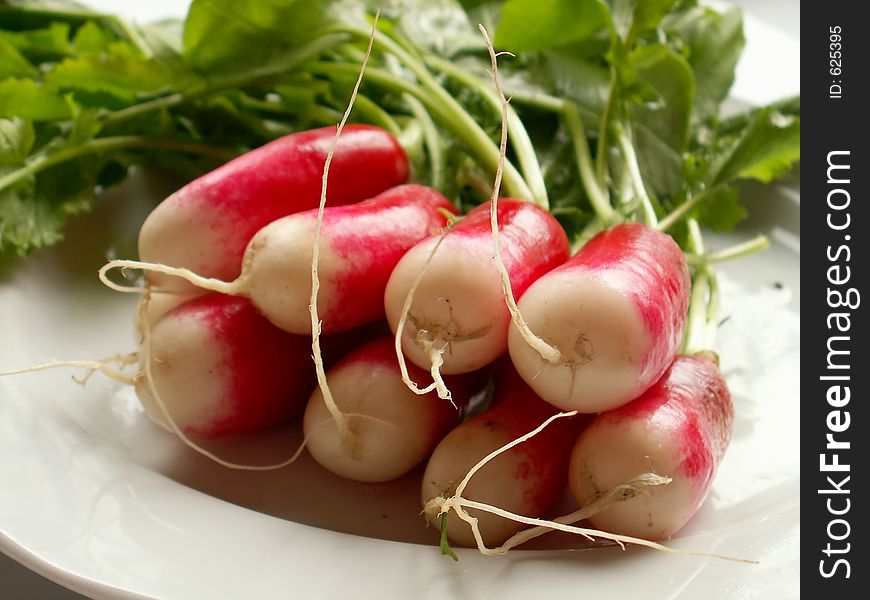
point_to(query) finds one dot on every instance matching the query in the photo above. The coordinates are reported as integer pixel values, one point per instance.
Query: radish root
(437, 360)
(231, 288)
(547, 352)
(317, 356)
(421, 337)
(92, 366)
(604, 501)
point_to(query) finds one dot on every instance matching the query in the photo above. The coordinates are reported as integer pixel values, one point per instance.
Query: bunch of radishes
(226, 337)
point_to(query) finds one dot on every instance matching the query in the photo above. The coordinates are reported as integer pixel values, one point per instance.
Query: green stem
(454, 116)
(627, 148)
(704, 302)
(626, 193)
(412, 141)
(376, 114)
(106, 144)
(316, 112)
(520, 140)
(146, 107)
(325, 115)
(603, 127)
(434, 145)
(446, 550)
(756, 244)
(683, 209)
(538, 100)
(373, 75)
(597, 195)
(289, 61)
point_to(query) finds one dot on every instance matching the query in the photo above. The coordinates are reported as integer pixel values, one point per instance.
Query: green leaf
(661, 125)
(712, 43)
(228, 35)
(16, 140)
(91, 38)
(120, 75)
(670, 77)
(49, 43)
(660, 165)
(27, 99)
(440, 26)
(12, 64)
(85, 123)
(583, 80)
(631, 17)
(768, 147)
(163, 43)
(35, 14)
(528, 25)
(33, 213)
(720, 210)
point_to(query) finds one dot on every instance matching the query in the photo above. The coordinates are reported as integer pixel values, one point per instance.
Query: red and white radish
(679, 428)
(219, 368)
(458, 306)
(390, 430)
(359, 244)
(527, 479)
(614, 314)
(206, 225)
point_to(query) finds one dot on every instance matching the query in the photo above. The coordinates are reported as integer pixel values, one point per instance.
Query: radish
(679, 428)
(359, 246)
(206, 225)
(390, 429)
(458, 312)
(220, 368)
(613, 316)
(527, 479)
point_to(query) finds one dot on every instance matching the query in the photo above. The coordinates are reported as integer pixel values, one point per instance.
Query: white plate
(96, 498)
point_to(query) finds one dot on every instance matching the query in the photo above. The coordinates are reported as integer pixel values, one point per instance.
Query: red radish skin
(615, 311)
(459, 301)
(206, 225)
(679, 428)
(403, 428)
(528, 479)
(220, 368)
(360, 245)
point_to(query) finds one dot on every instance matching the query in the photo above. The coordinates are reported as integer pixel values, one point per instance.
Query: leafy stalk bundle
(614, 113)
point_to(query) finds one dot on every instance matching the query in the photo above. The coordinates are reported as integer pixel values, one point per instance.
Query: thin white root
(317, 354)
(461, 487)
(232, 288)
(604, 501)
(400, 330)
(92, 366)
(436, 358)
(547, 352)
